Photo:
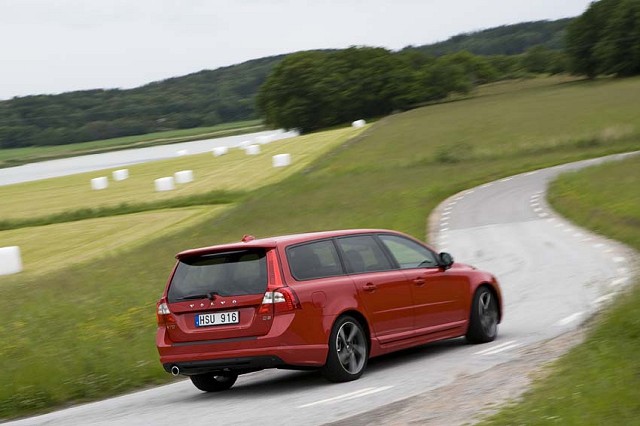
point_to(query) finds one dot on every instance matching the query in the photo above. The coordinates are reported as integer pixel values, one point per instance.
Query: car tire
(348, 351)
(483, 318)
(211, 382)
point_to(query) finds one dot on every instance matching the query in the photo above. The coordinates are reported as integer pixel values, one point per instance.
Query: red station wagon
(323, 300)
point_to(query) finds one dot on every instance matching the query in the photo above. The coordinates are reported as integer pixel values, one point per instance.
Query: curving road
(554, 275)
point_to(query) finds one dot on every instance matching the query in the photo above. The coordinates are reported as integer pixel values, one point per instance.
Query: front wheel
(483, 320)
(210, 382)
(348, 351)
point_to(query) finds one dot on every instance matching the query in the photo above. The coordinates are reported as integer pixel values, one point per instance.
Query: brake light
(281, 300)
(163, 314)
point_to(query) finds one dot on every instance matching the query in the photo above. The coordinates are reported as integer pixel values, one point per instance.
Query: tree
(605, 39)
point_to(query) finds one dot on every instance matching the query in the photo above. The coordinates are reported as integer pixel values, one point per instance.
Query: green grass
(96, 336)
(235, 171)
(597, 382)
(17, 156)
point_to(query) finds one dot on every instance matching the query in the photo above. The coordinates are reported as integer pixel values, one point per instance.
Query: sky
(55, 46)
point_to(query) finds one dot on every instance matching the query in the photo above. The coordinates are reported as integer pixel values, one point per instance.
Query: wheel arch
(496, 293)
(361, 318)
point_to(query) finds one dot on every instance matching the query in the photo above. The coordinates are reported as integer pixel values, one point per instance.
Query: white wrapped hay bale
(10, 260)
(261, 140)
(99, 183)
(182, 152)
(183, 176)
(252, 150)
(219, 150)
(121, 174)
(244, 144)
(281, 160)
(164, 184)
(358, 123)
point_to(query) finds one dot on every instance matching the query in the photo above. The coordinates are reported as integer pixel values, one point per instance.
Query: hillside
(205, 98)
(503, 40)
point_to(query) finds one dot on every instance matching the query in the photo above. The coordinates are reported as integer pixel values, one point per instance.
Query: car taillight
(283, 299)
(163, 314)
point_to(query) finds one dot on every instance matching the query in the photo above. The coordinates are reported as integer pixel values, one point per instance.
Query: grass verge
(96, 336)
(598, 381)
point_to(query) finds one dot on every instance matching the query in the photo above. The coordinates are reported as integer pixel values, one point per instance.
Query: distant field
(48, 248)
(18, 156)
(598, 381)
(99, 321)
(234, 171)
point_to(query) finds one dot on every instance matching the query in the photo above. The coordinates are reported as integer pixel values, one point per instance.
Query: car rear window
(231, 273)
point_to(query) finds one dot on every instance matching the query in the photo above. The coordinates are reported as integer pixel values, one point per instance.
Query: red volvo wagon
(324, 300)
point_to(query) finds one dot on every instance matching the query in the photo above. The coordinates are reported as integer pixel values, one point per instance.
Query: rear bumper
(289, 344)
(236, 365)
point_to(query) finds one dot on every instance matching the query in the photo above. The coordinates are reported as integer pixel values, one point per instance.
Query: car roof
(272, 242)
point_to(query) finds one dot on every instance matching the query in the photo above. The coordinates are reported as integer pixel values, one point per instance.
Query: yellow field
(47, 248)
(234, 171)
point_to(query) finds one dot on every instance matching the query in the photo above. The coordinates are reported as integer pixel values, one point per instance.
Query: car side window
(363, 254)
(314, 260)
(409, 254)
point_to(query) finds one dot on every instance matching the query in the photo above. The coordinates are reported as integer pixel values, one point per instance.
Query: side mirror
(446, 260)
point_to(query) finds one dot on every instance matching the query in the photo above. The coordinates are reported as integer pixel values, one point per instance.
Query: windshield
(225, 274)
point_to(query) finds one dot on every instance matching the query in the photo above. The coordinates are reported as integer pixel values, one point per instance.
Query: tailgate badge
(191, 305)
(234, 301)
(223, 302)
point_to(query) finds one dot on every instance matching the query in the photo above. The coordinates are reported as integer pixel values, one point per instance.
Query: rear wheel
(348, 351)
(483, 320)
(211, 382)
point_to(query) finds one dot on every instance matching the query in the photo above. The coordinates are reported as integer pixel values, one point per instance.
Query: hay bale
(219, 150)
(281, 160)
(358, 123)
(164, 184)
(121, 174)
(99, 183)
(252, 150)
(10, 260)
(183, 176)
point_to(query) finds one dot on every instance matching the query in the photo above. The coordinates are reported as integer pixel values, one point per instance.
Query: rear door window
(363, 254)
(231, 273)
(314, 260)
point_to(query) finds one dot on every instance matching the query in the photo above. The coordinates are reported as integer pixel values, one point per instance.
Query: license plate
(219, 318)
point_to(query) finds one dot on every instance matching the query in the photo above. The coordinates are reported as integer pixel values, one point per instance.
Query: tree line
(205, 98)
(314, 89)
(605, 39)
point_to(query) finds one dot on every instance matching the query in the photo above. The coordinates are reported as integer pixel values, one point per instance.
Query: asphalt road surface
(554, 276)
(108, 160)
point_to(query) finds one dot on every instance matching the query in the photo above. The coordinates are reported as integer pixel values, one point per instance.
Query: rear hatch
(217, 295)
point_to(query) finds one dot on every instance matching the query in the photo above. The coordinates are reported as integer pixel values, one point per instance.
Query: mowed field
(95, 337)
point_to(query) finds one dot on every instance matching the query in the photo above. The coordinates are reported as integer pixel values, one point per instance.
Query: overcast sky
(54, 46)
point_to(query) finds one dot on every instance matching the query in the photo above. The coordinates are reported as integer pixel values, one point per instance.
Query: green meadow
(95, 337)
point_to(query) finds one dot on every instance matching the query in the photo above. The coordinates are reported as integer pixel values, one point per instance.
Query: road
(123, 158)
(554, 276)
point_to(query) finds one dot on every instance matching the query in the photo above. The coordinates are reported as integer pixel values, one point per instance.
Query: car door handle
(419, 281)
(369, 287)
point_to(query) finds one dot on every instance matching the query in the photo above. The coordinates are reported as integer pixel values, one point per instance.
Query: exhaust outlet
(175, 370)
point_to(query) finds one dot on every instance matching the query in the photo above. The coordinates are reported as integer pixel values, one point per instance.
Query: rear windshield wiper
(211, 296)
